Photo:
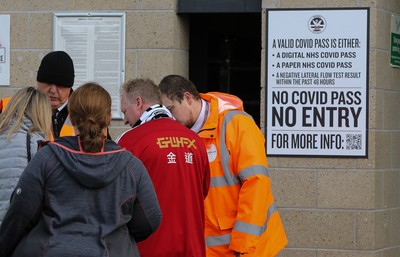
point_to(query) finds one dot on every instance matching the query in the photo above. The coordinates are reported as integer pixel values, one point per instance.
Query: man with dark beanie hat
(55, 79)
(57, 68)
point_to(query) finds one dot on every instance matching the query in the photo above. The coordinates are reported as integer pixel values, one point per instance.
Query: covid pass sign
(317, 82)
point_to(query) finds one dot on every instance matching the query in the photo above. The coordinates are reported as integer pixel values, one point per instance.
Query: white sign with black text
(317, 82)
(4, 50)
(96, 44)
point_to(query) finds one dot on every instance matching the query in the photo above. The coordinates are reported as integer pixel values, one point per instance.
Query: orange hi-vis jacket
(3, 103)
(240, 212)
(66, 130)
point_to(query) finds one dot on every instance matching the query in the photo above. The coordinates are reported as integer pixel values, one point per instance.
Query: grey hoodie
(71, 203)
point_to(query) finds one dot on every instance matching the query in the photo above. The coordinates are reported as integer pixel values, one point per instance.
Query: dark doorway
(225, 56)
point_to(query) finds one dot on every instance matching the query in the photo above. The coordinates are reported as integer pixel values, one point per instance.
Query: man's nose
(53, 88)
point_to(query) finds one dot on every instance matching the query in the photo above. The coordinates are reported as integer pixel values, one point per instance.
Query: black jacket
(71, 203)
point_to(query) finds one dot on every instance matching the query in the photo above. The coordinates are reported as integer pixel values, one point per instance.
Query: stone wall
(157, 40)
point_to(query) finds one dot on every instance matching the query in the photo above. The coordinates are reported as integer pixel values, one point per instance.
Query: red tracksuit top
(176, 159)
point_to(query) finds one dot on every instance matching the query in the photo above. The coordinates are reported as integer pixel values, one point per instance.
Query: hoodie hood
(225, 101)
(91, 170)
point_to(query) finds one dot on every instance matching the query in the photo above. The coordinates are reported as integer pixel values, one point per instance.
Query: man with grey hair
(176, 160)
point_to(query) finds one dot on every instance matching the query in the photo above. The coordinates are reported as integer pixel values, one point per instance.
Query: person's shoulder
(168, 121)
(110, 145)
(179, 130)
(42, 143)
(158, 124)
(37, 135)
(127, 136)
(174, 125)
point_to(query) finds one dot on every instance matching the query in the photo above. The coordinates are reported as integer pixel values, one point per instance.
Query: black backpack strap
(28, 145)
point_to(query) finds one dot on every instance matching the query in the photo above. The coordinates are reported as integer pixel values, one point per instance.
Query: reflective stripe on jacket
(240, 212)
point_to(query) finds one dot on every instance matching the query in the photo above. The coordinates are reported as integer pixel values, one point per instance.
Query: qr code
(353, 141)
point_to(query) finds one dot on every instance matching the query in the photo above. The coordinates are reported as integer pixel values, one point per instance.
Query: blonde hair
(31, 103)
(90, 111)
(143, 87)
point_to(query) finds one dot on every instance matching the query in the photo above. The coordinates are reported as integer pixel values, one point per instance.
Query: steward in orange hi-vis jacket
(241, 216)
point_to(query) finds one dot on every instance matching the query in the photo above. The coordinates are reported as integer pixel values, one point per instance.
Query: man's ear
(188, 97)
(138, 101)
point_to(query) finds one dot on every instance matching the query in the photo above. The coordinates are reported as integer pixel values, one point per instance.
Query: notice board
(317, 82)
(96, 44)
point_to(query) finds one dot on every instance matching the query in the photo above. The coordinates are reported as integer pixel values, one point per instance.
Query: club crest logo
(317, 24)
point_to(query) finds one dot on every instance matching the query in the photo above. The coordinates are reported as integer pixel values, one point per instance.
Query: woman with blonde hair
(26, 120)
(81, 195)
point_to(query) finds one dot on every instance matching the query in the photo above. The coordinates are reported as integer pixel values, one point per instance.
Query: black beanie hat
(56, 68)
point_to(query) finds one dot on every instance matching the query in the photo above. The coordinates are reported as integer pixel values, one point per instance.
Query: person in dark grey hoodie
(81, 195)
